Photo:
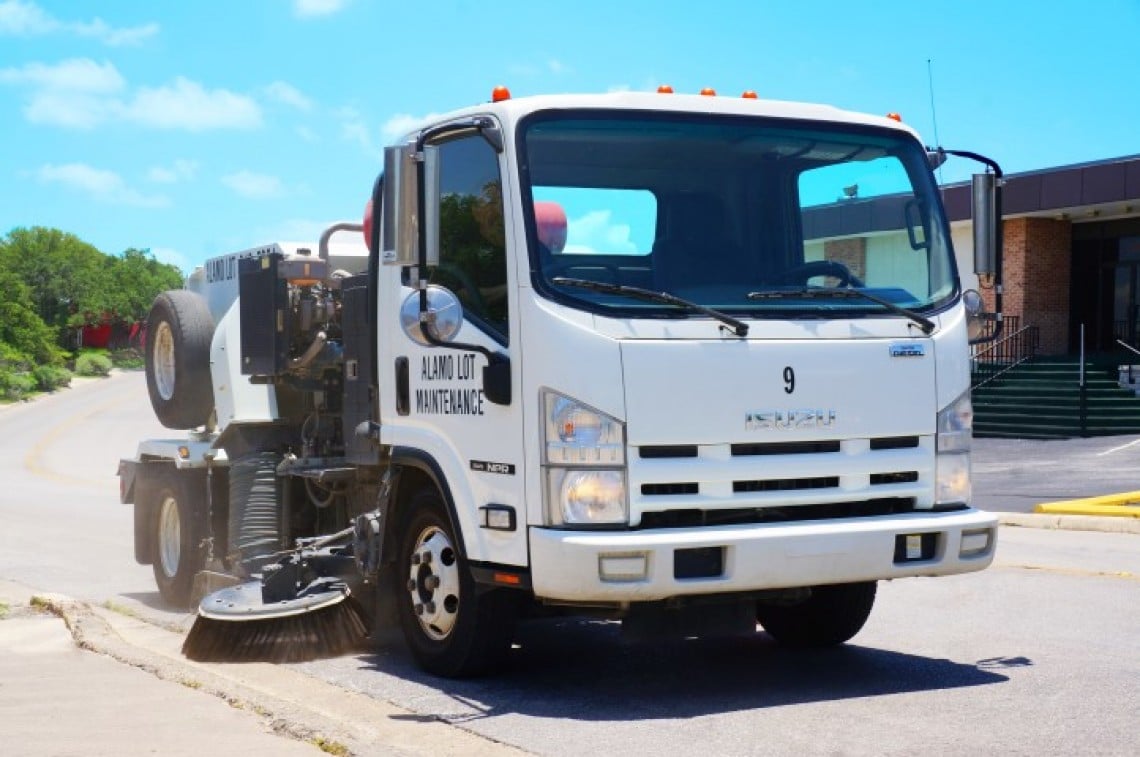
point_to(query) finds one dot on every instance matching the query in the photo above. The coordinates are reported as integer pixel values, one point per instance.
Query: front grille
(902, 477)
(675, 485)
(693, 518)
(785, 484)
(662, 490)
(785, 448)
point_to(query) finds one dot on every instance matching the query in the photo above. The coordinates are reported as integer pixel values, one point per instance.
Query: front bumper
(642, 566)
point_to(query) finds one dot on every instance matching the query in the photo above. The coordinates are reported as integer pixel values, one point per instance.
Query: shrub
(14, 386)
(128, 358)
(92, 364)
(51, 377)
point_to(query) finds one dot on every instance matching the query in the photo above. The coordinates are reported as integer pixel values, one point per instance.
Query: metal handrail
(1004, 355)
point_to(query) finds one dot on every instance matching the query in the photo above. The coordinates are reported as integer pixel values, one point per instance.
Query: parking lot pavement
(1013, 475)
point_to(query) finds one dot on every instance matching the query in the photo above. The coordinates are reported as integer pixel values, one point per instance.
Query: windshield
(746, 216)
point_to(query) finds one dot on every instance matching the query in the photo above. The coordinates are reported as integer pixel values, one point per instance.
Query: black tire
(178, 553)
(452, 630)
(178, 333)
(831, 616)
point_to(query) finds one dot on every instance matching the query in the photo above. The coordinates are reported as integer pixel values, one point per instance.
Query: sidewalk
(58, 699)
(80, 680)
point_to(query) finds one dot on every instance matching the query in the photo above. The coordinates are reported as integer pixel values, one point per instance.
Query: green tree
(24, 337)
(71, 284)
(62, 272)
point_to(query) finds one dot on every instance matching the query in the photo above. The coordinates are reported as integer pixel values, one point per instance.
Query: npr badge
(908, 350)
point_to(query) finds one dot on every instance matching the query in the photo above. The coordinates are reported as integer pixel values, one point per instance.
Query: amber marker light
(895, 117)
(664, 89)
(708, 92)
(749, 94)
(500, 93)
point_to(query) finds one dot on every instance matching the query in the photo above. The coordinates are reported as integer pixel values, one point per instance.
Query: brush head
(330, 631)
(237, 624)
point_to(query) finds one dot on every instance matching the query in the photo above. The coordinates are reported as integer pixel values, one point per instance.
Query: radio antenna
(933, 113)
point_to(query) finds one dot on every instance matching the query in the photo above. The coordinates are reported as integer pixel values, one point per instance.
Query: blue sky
(198, 128)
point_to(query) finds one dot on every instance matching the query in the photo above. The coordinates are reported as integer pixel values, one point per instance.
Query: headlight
(955, 429)
(584, 464)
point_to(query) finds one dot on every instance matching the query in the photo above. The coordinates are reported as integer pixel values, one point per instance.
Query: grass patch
(330, 747)
(115, 607)
(190, 683)
(3, 610)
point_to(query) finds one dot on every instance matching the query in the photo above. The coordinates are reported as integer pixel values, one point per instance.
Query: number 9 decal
(789, 380)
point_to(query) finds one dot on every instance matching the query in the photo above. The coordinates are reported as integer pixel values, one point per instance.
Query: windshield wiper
(922, 321)
(738, 327)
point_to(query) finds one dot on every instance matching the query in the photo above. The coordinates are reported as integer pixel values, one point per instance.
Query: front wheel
(178, 553)
(830, 616)
(452, 630)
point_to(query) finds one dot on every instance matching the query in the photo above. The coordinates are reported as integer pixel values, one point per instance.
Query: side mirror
(984, 196)
(442, 319)
(402, 215)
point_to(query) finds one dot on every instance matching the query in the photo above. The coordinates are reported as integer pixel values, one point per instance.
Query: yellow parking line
(1125, 504)
(1126, 575)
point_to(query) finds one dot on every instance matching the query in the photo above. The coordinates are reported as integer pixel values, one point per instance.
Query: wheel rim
(169, 537)
(433, 583)
(163, 354)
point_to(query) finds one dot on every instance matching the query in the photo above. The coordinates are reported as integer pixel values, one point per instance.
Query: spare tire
(178, 333)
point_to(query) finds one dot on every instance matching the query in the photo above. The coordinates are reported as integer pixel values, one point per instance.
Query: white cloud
(80, 94)
(25, 19)
(68, 110)
(287, 94)
(597, 232)
(558, 67)
(254, 186)
(72, 75)
(102, 185)
(185, 104)
(179, 170)
(313, 8)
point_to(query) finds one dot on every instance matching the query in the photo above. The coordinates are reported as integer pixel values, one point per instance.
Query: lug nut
(419, 609)
(416, 559)
(426, 557)
(411, 584)
(429, 608)
(431, 583)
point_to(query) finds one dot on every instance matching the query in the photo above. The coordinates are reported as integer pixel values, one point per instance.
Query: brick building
(1071, 252)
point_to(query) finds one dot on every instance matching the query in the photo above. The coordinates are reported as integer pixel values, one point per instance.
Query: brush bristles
(328, 632)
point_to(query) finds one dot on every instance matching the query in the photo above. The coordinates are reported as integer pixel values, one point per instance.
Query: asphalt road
(1034, 656)
(1013, 475)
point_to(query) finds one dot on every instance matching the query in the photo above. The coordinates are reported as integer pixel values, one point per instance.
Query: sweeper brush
(233, 625)
(301, 608)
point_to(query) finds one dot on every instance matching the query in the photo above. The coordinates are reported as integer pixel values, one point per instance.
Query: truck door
(477, 443)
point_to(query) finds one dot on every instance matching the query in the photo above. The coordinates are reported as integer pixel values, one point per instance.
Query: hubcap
(169, 537)
(163, 354)
(433, 583)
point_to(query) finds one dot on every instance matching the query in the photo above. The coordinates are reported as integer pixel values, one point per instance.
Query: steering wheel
(833, 268)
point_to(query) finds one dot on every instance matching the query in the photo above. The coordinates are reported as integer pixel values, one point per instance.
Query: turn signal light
(708, 92)
(749, 94)
(895, 117)
(664, 89)
(500, 93)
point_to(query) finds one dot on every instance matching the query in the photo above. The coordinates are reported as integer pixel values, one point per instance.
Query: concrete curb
(1064, 522)
(336, 720)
